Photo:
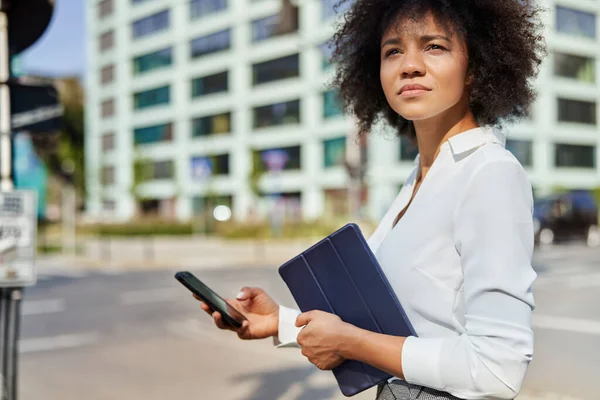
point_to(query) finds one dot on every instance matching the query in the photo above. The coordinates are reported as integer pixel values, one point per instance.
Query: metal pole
(6, 183)
(3, 329)
(11, 351)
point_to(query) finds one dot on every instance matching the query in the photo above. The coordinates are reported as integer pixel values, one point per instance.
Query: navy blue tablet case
(340, 275)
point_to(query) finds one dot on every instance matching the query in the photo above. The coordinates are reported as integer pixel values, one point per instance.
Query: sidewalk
(173, 253)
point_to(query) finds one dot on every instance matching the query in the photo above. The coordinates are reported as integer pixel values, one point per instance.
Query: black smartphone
(230, 315)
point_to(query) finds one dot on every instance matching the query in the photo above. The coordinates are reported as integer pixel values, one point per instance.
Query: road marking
(149, 296)
(57, 342)
(577, 325)
(36, 307)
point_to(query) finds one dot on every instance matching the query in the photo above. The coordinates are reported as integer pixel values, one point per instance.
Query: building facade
(215, 99)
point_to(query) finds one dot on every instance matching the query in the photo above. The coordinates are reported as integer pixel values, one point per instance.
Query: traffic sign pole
(10, 298)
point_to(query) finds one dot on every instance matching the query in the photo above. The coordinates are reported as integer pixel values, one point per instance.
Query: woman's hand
(261, 312)
(323, 337)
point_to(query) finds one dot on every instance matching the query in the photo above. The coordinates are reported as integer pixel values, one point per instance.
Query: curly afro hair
(504, 44)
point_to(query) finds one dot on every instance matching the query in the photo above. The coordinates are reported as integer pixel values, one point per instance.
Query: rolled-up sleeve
(493, 228)
(288, 332)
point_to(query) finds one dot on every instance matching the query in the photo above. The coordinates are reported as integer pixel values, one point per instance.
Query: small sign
(275, 159)
(201, 168)
(18, 225)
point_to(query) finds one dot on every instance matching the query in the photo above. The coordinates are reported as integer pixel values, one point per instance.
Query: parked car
(567, 217)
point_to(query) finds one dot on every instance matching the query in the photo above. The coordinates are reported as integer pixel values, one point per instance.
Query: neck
(432, 132)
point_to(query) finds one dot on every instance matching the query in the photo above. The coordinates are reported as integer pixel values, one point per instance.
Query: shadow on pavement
(272, 385)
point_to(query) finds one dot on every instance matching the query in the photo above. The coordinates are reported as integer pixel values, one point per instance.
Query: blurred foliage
(139, 228)
(262, 230)
(257, 171)
(58, 149)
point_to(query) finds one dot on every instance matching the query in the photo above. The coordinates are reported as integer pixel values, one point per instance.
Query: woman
(457, 242)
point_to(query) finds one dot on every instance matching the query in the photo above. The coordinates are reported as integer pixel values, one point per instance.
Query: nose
(412, 65)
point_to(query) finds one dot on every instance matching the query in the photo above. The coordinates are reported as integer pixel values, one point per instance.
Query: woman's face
(423, 68)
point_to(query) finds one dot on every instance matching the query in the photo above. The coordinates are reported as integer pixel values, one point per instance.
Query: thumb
(247, 293)
(303, 319)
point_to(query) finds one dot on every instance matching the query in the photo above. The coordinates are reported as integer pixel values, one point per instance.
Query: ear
(469, 80)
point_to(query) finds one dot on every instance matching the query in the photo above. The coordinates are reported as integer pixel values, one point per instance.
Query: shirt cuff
(421, 361)
(288, 332)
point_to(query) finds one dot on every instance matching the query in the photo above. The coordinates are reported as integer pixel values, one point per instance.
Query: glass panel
(280, 68)
(522, 150)
(211, 125)
(575, 22)
(291, 156)
(334, 152)
(107, 40)
(277, 114)
(105, 8)
(151, 24)
(571, 155)
(162, 169)
(153, 134)
(331, 104)
(210, 84)
(200, 8)
(577, 111)
(108, 108)
(108, 175)
(328, 8)
(326, 50)
(408, 149)
(210, 44)
(202, 167)
(268, 27)
(155, 60)
(107, 74)
(108, 141)
(152, 97)
(575, 67)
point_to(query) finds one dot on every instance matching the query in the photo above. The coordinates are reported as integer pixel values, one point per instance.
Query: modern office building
(196, 99)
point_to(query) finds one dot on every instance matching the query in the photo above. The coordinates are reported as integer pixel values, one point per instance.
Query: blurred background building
(190, 100)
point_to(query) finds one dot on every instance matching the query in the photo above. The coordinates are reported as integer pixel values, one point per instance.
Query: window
(107, 74)
(151, 24)
(211, 125)
(331, 104)
(204, 166)
(277, 114)
(108, 141)
(162, 170)
(200, 8)
(153, 134)
(210, 44)
(280, 68)
(577, 156)
(408, 149)
(148, 62)
(575, 67)
(152, 97)
(108, 108)
(289, 155)
(583, 112)
(210, 84)
(334, 152)
(108, 175)
(522, 150)
(268, 27)
(105, 8)
(109, 205)
(328, 9)
(138, 1)
(107, 40)
(575, 22)
(200, 204)
(326, 50)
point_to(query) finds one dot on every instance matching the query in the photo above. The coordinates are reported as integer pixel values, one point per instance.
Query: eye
(436, 47)
(391, 52)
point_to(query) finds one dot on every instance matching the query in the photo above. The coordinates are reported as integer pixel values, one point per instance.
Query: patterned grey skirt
(401, 390)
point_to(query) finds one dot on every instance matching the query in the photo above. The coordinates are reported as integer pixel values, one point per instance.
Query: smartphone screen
(212, 299)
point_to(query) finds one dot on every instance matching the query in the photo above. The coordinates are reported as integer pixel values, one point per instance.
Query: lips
(413, 88)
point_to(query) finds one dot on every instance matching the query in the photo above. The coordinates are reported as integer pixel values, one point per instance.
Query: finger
(219, 321)
(206, 308)
(244, 331)
(304, 318)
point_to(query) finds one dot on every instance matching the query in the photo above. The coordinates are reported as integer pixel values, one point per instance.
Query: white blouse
(459, 261)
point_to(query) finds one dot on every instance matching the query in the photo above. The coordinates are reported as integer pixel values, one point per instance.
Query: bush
(151, 228)
(263, 230)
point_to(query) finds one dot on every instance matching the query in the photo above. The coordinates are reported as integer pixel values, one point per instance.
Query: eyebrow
(425, 38)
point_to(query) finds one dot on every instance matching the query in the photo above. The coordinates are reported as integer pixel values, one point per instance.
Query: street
(140, 335)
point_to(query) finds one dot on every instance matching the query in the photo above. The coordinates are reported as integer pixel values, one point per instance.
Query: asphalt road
(92, 336)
